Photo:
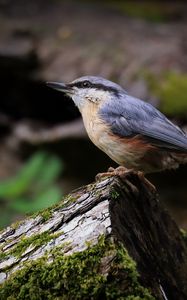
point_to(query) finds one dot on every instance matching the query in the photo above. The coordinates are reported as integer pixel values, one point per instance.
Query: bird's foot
(119, 171)
(146, 181)
(123, 173)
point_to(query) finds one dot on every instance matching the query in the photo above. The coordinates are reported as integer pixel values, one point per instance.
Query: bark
(96, 226)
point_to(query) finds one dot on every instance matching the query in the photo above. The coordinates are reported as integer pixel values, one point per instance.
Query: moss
(126, 284)
(78, 276)
(71, 198)
(46, 214)
(35, 240)
(114, 194)
(2, 255)
(171, 89)
(184, 235)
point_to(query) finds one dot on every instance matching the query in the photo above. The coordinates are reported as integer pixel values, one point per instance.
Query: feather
(128, 116)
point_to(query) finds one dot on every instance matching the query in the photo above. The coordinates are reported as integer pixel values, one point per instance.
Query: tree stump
(111, 239)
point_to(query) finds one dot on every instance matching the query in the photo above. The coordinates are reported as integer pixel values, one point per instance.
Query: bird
(132, 132)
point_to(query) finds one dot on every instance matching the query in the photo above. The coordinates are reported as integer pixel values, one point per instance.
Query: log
(111, 239)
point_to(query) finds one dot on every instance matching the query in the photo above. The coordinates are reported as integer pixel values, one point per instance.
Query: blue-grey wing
(129, 116)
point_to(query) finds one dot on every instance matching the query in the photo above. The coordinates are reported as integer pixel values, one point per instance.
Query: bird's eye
(85, 84)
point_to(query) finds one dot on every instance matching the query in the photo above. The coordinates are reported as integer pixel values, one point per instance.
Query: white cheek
(83, 96)
(96, 95)
(79, 100)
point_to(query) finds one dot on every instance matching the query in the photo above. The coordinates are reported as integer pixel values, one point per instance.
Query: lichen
(171, 90)
(78, 276)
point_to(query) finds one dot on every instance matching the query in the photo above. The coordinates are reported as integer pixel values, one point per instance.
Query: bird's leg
(122, 172)
(119, 171)
(146, 181)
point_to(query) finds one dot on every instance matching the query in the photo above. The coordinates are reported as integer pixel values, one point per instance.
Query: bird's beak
(62, 87)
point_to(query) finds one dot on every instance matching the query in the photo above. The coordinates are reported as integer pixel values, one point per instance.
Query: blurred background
(44, 150)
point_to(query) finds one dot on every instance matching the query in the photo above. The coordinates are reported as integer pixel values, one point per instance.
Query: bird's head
(88, 89)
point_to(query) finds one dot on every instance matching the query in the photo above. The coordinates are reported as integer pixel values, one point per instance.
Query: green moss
(126, 285)
(78, 276)
(35, 240)
(2, 255)
(71, 198)
(46, 214)
(16, 224)
(114, 194)
(184, 235)
(171, 89)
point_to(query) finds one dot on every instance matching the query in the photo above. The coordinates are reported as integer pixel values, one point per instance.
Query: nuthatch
(132, 132)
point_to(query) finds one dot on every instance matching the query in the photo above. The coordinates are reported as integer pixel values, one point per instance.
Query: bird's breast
(95, 127)
(100, 134)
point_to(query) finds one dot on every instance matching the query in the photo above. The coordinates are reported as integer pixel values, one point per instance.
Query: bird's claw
(119, 171)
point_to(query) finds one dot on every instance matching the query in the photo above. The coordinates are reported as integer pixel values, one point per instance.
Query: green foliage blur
(153, 11)
(32, 189)
(173, 93)
(171, 90)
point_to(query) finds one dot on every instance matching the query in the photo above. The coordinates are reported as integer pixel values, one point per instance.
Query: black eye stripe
(81, 84)
(85, 84)
(99, 86)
